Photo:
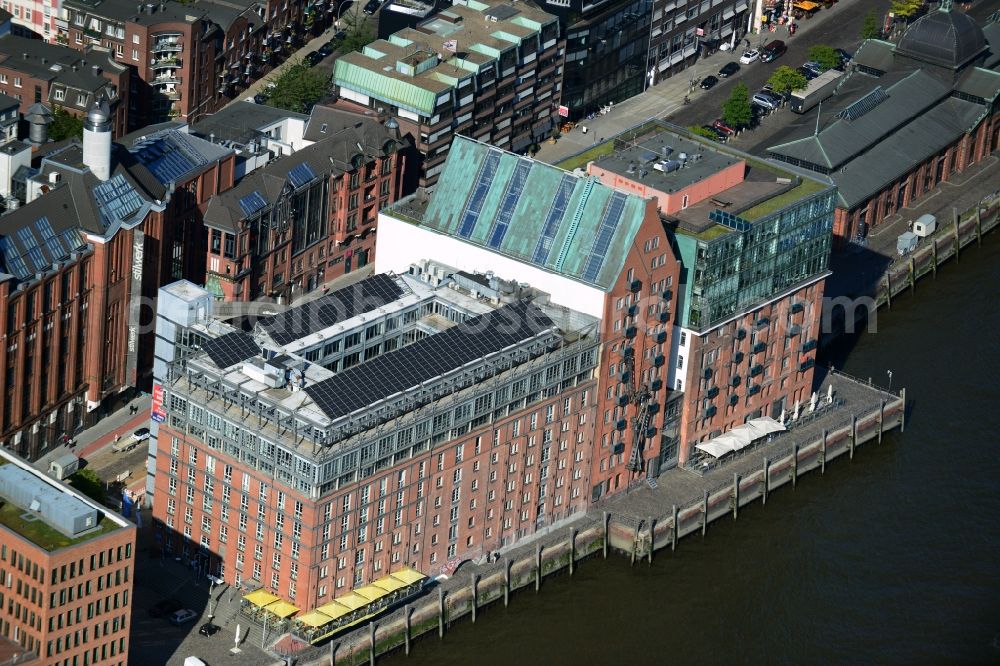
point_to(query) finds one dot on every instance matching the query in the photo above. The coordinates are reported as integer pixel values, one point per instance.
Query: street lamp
(889, 372)
(340, 6)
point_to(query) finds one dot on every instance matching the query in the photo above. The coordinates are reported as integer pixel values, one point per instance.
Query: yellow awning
(352, 601)
(389, 584)
(261, 598)
(333, 610)
(370, 592)
(281, 608)
(314, 619)
(408, 575)
(805, 5)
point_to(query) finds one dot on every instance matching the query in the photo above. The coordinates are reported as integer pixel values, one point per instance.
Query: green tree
(698, 130)
(906, 8)
(826, 56)
(298, 88)
(357, 29)
(870, 28)
(785, 79)
(736, 110)
(65, 125)
(88, 483)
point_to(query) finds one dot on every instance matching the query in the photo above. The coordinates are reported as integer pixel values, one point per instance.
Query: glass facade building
(730, 274)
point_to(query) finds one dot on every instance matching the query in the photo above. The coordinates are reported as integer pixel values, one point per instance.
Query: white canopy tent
(740, 436)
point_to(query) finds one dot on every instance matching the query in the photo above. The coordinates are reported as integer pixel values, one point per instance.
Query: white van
(925, 225)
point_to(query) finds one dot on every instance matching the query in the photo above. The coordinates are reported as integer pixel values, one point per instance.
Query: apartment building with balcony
(491, 71)
(66, 571)
(308, 217)
(33, 71)
(753, 239)
(187, 60)
(415, 420)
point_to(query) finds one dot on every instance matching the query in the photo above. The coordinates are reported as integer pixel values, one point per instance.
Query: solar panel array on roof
(52, 242)
(301, 174)
(612, 215)
(474, 205)
(117, 200)
(360, 297)
(30, 245)
(252, 203)
(168, 160)
(231, 348)
(510, 198)
(13, 263)
(425, 359)
(559, 203)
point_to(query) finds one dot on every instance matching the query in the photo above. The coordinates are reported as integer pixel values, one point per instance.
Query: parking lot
(154, 641)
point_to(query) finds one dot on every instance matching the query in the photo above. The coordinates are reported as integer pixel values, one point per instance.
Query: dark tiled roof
(946, 38)
(26, 246)
(174, 156)
(329, 156)
(979, 82)
(241, 122)
(325, 121)
(127, 10)
(875, 54)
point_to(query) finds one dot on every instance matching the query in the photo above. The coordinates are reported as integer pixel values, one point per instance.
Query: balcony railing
(165, 62)
(163, 80)
(168, 46)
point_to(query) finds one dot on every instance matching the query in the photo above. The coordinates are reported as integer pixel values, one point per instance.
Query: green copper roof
(534, 212)
(384, 85)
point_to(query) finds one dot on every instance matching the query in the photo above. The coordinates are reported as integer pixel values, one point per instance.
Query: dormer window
(60, 94)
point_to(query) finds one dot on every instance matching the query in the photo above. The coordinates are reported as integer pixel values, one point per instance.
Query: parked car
(773, 50)
(209, 629)
(845, 56)
(813, 67)
(719, 134)
(183, 616)
(720, 125)
(141, 434)
(372, 6)
(708, 82)
(766, 100)
(328, 48)
(808, 73)
(312, 58)
(165, 607)
(729, 69)
(749, 56)
(260, 98)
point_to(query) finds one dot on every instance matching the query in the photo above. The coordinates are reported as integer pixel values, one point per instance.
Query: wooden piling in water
(474, 589)
(649, 555)
(372, 627)
(934, 262)
(407, 611)
(607, 537)
(902, 413)
(913, 275)
(736, 495)
(881, 418)
(572, 549)
(854, 436)
(767, 480)
(538, 567)
(795, 464)
(822, 453)
(958, 244)
(673, 542)
(979, 226)
(888, 290)
(704, 514)
(440, 612)
(506, 582)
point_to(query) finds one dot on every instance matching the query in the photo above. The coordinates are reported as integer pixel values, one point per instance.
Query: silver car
(767, 100)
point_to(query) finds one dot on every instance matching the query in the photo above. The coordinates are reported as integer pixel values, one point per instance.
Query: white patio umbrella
(781, 419)
(237, 635)
(795, 414)
(812, 402)
(829, 393)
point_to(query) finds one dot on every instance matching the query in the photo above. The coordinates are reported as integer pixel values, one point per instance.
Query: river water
(894, 558)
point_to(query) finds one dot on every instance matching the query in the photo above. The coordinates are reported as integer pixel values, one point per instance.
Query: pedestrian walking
(747, 42)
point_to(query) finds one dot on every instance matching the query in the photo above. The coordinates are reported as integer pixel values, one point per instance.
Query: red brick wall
(497, 475)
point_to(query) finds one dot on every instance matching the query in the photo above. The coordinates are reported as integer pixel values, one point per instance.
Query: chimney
(97, 139)
(97, 70)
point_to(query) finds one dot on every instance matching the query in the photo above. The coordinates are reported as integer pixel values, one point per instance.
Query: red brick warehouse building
(186, 59)
(99, 229)
(66, 571)
(309, 217)
(906, 118)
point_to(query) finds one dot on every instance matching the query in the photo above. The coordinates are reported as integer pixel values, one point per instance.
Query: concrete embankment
(683, 502)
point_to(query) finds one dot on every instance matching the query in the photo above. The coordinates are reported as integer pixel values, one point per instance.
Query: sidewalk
(666, 97)
(103, 432)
